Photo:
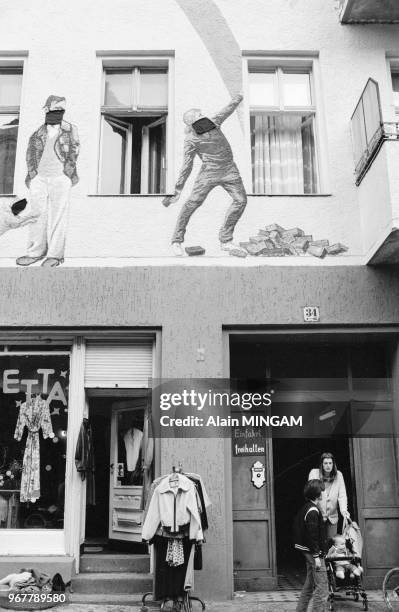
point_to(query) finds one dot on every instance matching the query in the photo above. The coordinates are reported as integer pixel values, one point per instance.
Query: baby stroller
(351, 585)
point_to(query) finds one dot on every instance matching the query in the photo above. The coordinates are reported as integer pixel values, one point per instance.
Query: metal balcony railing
(385, 131)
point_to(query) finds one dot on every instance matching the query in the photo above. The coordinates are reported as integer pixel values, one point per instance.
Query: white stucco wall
(62, 60)
(378, 198)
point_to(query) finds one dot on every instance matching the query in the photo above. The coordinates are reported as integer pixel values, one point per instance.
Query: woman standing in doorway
(334, 494)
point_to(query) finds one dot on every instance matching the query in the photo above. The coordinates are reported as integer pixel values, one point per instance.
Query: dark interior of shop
(308, 364)
(97, 516)
(292, 461)
(97, 528)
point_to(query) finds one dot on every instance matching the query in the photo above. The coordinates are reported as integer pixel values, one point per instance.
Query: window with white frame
(282, 123)
(10, 95)
(133, 130)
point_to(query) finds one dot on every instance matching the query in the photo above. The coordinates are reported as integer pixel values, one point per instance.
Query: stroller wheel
(390, 588)
(331, 603)
(365, 604)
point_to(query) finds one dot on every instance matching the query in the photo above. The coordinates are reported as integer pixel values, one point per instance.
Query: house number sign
(258, 474)
(311, 314)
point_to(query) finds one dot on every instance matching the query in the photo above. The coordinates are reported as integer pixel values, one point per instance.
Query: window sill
(289, 195)
(7, 195)
(164, 195)
(128, 195)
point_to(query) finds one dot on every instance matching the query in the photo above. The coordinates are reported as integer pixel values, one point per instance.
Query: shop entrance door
(377, 491)
(293, 459)
(126, 478)
(253, 514)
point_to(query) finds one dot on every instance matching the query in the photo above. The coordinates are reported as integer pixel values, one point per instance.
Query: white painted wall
(378, 198)
(62, 40)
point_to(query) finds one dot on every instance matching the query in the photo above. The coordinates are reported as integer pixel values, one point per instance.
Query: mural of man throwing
(205, 139)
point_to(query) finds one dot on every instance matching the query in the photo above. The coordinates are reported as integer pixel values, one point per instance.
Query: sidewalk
(271, 601)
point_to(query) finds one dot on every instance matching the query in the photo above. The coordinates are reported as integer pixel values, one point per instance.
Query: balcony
(369, 11)
(376, 155)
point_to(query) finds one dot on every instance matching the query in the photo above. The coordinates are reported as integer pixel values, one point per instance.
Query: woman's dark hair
(313, 489)
(334, 468)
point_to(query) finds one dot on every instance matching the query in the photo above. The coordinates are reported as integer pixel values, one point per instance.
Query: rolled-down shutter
(124, 366)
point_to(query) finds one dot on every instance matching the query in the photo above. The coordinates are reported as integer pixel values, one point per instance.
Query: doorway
(120, 445)
(312, 372)
(292, 461)
(97, 516)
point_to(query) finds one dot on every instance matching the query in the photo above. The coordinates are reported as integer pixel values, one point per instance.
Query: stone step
(100, 563)
(49, 564)
(112, 583)
(124, 599)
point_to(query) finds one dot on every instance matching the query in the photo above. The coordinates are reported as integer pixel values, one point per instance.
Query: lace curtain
(283, 154)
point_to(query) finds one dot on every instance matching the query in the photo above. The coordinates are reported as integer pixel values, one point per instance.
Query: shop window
(10, 94)
(133, 131)
(33, 437)
(282, 124)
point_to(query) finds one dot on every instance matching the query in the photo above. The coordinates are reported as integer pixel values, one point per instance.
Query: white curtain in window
(282, 155)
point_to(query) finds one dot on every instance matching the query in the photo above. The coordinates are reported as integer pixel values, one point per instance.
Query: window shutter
(116, 365)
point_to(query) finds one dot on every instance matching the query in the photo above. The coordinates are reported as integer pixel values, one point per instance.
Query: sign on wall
(248, 441)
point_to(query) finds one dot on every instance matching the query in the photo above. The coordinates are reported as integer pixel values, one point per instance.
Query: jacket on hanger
(85, 460)
(132, 439)
(173, 508)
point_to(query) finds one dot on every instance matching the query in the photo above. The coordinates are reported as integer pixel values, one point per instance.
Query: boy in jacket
(310, 540)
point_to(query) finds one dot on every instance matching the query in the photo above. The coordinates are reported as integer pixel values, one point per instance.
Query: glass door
(126, 473)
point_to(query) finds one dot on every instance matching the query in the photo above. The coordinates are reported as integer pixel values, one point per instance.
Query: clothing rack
(183, 604)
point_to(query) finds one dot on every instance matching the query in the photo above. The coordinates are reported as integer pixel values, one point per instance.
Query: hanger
(174, 478)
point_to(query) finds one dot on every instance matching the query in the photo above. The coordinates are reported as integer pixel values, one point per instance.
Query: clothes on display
(175, 552)
(28, 581)
(34, 414)
(174, 522)
(85, 460)
(169, 580)
(3, 510)
(9, 504)
(204, 501)
(147, 456)
(174, 508)
(132, 439)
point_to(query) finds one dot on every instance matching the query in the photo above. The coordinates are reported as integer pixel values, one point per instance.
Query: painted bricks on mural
(275, 241)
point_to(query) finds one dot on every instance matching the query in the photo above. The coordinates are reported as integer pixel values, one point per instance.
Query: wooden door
(125, 499)
(376, 469)
(253, 514)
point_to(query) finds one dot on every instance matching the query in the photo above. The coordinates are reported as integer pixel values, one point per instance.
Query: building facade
(315, 141)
